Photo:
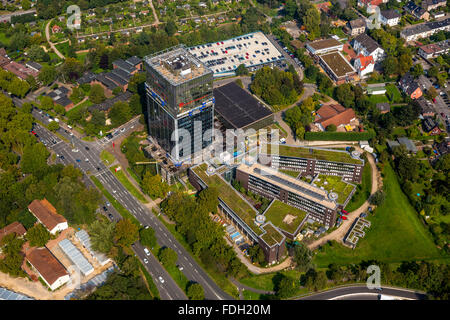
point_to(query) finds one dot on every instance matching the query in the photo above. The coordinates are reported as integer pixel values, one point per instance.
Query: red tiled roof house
(47, 215)
(48, 267)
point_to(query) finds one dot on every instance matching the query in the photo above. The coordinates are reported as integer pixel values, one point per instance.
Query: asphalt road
(364, 293)
(88, 161)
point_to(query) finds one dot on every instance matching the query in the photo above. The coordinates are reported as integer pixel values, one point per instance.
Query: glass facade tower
(180, 102)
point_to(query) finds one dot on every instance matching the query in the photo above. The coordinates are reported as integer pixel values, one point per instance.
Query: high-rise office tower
(179, 96)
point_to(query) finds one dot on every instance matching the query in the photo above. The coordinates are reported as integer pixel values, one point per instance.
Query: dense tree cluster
(204, 236)
(21, 154)
(276, 87)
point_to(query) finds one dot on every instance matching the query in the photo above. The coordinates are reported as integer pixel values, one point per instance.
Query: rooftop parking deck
(225, 56)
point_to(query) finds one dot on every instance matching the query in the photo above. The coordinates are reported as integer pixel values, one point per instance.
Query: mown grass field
(396, 233)
(362, 192)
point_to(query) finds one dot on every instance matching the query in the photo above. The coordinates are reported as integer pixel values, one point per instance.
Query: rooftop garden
(319, 154)
(272, 235)
(335, 184)
(285, 217)
(230, 197)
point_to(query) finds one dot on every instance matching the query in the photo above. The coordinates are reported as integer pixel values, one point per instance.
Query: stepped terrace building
(234, 207)
(272, 184)
(312, 161)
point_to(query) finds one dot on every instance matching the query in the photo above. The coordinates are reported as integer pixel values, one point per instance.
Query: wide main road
(361, 292)
(89, 162)
(168, 290)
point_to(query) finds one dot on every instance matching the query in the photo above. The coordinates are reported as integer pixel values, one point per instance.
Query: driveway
(340, 233)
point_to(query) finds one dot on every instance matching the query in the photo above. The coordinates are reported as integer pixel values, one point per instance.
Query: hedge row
(339, 136)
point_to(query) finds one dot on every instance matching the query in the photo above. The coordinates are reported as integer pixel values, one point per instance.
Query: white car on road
(145, 261)
(146, 251)
(161, 279)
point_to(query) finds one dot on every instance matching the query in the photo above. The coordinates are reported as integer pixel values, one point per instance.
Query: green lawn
(378, 98)
(293, 174)
(362, 192)
(392, 90)
(335, 184)
(396, 233)
(127, 184)
(107, 157)
(266, 281)
(277, 213)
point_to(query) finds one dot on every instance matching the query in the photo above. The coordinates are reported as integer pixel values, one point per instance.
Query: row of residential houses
(23, 71)
(120, 76)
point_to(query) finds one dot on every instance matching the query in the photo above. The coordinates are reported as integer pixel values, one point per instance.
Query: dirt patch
(288, 219)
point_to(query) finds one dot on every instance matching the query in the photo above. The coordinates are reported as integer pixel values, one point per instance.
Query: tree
(389, 65)
(38, 236)
(195, 291)
(97, 93)
(239, 83)
(345, 95)
(11, 247)
(417, 70)
(302, 257)
(154, 186)
(433, 71)
(171, 28)
(256, 253)
(47, 75)
(331, 128)
(377, 198)
(36, 53)
(312, 23)
(53, 126)
(286, 287)
(147, 237)
(431, 93)
(102, 233)
(241, 70)
(167, 256)
(126, 233)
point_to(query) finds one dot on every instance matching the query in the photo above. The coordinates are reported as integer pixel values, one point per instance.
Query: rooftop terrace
(230, 196)
(177, 65)
(288, 183)
(285, 217)
(313, 153)
(272, 235)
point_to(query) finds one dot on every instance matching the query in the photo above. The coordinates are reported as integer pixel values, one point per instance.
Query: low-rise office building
(337, 67)
(312, 161)
(324, 46)
(273, 184)
(238, 211)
